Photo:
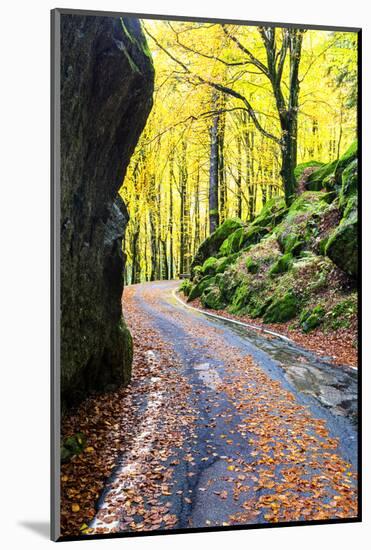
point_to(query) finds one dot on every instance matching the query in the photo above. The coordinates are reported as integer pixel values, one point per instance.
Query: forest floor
(220, 426)
(339, 346)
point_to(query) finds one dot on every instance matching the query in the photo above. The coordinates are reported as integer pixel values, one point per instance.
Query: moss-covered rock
(200, 287)
(231, 244)
(349, 185)
(210, 246)
(212, 298)
(283, 308)
(346, 159)
(271, 214)
(282, 265)
(312, 318)
(186, 287)
(343, 312)
(229, 281)
(300, 226)
(222, 264)
(342, 245)
(314, 164)
(240, 298)
(315, 181)
(252, 266)
(209, 266)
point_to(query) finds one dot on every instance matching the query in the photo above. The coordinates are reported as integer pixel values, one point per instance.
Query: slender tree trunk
(239, 178)
(197, 210)
(153, 246)
(171, 233)
(214, 173)
(184, 212)
(135, 266)
(221, 170)
(164, 263)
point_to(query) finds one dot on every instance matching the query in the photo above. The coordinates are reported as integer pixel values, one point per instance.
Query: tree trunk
(135, 267)
(221, 169)
(197, 210)
(214, 174)
(239, 179)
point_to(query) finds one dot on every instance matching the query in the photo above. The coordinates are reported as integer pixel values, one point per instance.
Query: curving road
(271, 435)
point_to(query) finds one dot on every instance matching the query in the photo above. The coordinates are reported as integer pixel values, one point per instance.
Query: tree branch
(219, 87)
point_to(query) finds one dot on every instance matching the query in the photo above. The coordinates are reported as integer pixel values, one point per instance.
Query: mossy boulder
(312, 318)
(199, 288)
(282, 265)
(211, 245)
(342, 245)
(240, 298)
(209, 266)
(349, 184)
(347, 158)
(232, 243)
(252, 266)
(229, 282)
(186, 287)
(299, 170)
(271, 214)
(315, 181)
(300, 226)
(283, 308)
(224, 262)
(212, 298)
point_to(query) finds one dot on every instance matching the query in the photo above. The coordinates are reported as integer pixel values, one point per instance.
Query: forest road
(267, 430)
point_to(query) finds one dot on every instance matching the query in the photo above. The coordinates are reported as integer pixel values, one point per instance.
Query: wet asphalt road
(329, 392)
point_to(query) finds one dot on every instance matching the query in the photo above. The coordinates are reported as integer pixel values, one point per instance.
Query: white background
(24, 254)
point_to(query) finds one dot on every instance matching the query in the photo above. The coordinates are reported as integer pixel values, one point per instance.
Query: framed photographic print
(206, 274)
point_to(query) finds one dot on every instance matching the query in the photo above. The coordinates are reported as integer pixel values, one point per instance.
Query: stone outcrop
(106, 95)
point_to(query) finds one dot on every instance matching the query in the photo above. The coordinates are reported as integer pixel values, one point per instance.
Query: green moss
(312, 318)
(210, 246)
(315, 180)
(212, 298)
(298, 172)
(282, 265)
(231, 244)
(223, 263)
(209, 266)
(291, 243)
(251, 265)
(342, 245)
(200, 287)
(229, 281)
(350, 155)
(282, 309)
(343, 312)
(186, 287)
(240, 298)
(349, 185)
(271, 214)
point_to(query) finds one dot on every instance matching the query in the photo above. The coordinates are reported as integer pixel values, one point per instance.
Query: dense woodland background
(236, 108)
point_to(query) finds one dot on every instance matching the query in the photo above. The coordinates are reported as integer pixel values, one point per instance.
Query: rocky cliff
(106, 95)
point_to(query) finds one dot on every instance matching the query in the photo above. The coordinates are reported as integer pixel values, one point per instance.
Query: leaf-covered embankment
(293, 268)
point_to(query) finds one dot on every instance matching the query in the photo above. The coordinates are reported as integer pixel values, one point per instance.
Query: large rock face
(106, 95)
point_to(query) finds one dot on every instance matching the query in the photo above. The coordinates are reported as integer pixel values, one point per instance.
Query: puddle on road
(334, 387)
(208, 375)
